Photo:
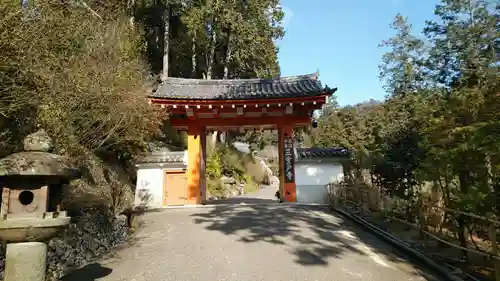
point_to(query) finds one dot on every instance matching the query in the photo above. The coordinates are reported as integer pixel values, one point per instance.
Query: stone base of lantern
(25, 261)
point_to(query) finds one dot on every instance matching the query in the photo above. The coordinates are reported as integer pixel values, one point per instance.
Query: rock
(26, 261)
(3, 248)
(235, 192)
(275, 181)
(228, 181)
(38, 141)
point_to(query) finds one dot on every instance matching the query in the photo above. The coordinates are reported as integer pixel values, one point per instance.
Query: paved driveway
(265, 195)
(271, 242)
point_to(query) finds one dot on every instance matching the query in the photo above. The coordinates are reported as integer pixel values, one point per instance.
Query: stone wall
(84, 241)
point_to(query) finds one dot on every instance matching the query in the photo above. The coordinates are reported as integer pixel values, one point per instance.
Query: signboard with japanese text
(288, 159)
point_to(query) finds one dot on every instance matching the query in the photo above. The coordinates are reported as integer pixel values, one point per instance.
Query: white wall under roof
(149, 187)
(311, 179)
(150, 181)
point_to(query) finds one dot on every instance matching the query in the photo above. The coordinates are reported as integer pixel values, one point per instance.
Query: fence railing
(432, 221)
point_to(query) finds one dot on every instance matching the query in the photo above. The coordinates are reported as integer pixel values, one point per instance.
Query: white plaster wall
(185, 157)
(311, 179)
(149, 187)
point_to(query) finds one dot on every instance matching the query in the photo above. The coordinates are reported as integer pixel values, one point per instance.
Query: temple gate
(203, 106)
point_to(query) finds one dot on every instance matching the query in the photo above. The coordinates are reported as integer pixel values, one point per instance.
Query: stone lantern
(31, 183)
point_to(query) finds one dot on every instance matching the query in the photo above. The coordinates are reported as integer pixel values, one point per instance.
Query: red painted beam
(283, 101)
(241, 121)
(249, 109)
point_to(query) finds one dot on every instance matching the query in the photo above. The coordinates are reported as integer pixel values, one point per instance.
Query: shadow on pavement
(265, 195)
(91, 272)
(241, 200)
(313, 232)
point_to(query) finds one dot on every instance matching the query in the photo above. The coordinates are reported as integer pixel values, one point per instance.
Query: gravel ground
(253, 242)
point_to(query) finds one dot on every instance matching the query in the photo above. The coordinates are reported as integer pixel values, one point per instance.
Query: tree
(402, 67)
(84, 82)
(440, 122)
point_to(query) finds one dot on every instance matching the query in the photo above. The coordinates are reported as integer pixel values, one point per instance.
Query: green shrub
(214, 165)
(215, 188)
(229, 162)
(81, 78)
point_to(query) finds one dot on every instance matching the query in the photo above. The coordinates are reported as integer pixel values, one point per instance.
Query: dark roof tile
(316, 152)
(173, 157)
(283, 87)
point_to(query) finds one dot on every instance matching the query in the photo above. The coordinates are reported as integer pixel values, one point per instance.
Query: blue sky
(340, 38)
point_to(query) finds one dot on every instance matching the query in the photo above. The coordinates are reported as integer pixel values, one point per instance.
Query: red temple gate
(203, 106)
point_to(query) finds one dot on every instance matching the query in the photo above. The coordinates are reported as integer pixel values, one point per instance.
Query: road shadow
(241, 200)
(315, 235)
(90, 272)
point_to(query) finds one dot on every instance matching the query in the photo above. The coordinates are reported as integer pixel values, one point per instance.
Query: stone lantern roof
(36, 160)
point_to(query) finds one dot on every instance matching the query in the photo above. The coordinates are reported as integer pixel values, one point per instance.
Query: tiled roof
(315, 152)
(173, 157)
(200, 89)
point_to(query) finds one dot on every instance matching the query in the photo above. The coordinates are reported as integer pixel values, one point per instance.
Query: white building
(158, 172)
(314, 169)
(161, 176)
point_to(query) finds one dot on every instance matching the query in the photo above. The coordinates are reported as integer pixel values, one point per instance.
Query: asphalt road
(250, 242)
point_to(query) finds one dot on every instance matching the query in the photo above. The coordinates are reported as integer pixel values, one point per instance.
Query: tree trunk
(463, 177)
(208, 74)
(130, 8)
(489, 173)
(166, 42)
(211, 52)
(227, 59)
(193, 56)
(213, 140)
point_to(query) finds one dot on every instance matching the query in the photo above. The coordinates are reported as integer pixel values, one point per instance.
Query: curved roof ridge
(232, 89)
(322, 152)
(294, 78)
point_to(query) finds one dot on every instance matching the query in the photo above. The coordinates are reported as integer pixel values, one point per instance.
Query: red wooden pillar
(196, 164)
(287, 163)
(203, 166)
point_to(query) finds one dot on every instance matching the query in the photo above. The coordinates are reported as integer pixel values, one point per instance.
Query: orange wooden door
(175, 189)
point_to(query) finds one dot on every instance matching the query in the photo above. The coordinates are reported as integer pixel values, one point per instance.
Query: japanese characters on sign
(288, 159)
